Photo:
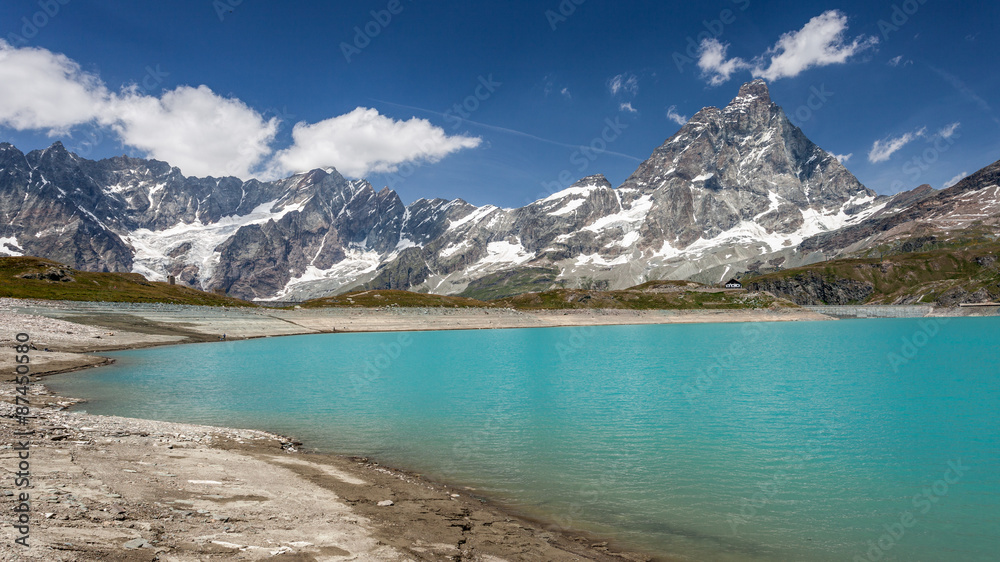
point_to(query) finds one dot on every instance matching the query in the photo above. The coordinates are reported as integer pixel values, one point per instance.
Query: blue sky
(262, 88)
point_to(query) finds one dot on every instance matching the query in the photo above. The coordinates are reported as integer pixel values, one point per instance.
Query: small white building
(734, 284)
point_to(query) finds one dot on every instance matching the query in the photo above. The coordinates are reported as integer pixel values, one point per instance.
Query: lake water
(848, 440)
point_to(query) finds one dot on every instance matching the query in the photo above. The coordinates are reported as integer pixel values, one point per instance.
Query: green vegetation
(945, 274)
(37, 278)
(371, 299)
(653, 295)
(510, 283)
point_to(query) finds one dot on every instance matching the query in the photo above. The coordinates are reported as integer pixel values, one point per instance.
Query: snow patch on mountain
(152, 247)
(9, 247)
(502, 252)
(344, 274)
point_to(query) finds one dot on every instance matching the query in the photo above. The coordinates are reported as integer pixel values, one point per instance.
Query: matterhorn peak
(755, 88)
(753, 93)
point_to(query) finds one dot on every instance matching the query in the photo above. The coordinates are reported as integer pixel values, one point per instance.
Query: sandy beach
(107, 488)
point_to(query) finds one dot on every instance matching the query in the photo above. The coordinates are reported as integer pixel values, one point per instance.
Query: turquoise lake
(848, 440)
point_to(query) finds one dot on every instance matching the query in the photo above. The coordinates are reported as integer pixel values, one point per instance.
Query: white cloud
(676, 117)
(843, 158)
(627, 106)
(713, 64)
(566, 93)
(363, 141)
(46, 91)
(949, 130)
(624, 83)
(896, 61)
(194, 129)
(820, 42)
(201, 132)
(955, 180)
(883, 149)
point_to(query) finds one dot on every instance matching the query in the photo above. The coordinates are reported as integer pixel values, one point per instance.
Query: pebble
(137, 543)
(385, 503)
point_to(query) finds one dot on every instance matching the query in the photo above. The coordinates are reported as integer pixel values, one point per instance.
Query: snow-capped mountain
(736, 188)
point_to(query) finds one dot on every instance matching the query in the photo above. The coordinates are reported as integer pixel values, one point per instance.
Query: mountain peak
(756, 87)
(752, 93)
(596, 179)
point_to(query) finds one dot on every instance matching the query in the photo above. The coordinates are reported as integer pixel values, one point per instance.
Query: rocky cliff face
(811, 288)
(735, 189)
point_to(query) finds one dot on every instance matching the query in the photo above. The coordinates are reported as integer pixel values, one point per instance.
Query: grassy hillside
(653, 295)
(37, 278)
(371, 299)
(949, 273)
(510, 283)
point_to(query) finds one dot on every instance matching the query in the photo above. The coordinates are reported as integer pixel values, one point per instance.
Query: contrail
(506, 130)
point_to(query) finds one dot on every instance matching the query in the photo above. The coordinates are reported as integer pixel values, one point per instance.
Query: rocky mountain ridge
(738, 188)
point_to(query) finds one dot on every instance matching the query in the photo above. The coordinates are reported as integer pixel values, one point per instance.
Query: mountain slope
(735, 189)
(960, 274)
(36, 278)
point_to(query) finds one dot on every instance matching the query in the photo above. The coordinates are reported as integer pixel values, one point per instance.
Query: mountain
(736, 189)
(967, 209)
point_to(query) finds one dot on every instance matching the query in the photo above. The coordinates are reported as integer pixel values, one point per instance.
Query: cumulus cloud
(194, 129)
(714, 65)
(883, 149)
(821, 42)
(624, 83)
(676, 117)
(955, 180)
(202, 132)
(364, 141)
(45, 91)
(843, 158)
